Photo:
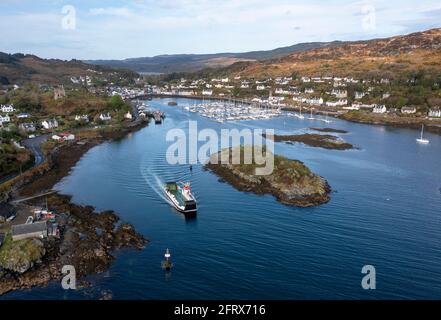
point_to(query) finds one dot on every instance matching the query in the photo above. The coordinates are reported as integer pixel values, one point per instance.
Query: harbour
(388, 216)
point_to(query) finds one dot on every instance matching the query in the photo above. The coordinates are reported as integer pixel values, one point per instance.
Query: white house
(341, 94)
(23, 115)
(354, 106)
(67, 136)
(281, 91)
(128, 116)
(7, 108)
(379, 109)
(306, 79)
(83, 117)
(260, 87)
(359, 95)
(309, 90)
(408, 110)
(225, 80)
(435, 113)
(105, 117)
(49, 124)
(338, 103)
(314, 101)
(56, 137)
(207, 92)
(27, 127)
(4, 118)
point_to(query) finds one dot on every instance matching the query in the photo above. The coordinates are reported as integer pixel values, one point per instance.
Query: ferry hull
(177, 206)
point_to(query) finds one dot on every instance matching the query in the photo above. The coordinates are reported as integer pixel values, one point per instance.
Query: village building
(49, 124)
(435, 113)
(359, 95)
(338, 103)
(207, 92)
(386, 95)
(23, 115)
(128, 116)
(260, 87)
(83, 117)
(7, 108)
(408, 110)
(379, 109)
(29, 230)
(59, 92)
(105, 117)
(353, 107)
(27, 127)
(341, 94)
(4, 118)
(56, 137)
(67, 136)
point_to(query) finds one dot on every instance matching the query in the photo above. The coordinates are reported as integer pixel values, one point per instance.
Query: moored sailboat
(421, 139)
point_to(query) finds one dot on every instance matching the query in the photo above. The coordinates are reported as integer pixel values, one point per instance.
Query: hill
(416, 51)
(196, 62)
(21, 68)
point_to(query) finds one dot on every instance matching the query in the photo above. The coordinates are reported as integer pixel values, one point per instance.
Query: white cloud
(120, 12)
(150, 27)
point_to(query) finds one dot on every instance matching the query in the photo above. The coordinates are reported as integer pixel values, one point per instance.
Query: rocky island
(325, 141)
(332, 130)
(291, 182)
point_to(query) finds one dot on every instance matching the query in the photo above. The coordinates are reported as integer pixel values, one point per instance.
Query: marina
(223, 111)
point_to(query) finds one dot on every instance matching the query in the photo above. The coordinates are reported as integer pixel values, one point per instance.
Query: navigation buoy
(166, 264)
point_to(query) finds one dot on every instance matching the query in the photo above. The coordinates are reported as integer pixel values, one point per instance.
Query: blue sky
(113, 29)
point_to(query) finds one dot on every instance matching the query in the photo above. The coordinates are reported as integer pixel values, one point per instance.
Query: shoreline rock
(331, 130)
(87, 242)
(325, 141)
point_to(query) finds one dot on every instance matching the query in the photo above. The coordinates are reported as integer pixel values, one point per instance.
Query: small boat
(181, 197)
(422, 140)
(326, 119)
(172, 103)
(311, 117)
(166, 263)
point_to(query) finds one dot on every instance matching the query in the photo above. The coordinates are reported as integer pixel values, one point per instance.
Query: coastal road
(32, 144)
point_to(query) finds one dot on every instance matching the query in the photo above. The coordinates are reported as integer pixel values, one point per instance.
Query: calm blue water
(385, 211)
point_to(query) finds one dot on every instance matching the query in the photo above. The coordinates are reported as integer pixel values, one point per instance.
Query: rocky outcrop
(87, 242)
(325, 141)
(291, 182)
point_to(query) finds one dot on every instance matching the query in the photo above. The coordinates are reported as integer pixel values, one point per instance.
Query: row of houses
(7, 108)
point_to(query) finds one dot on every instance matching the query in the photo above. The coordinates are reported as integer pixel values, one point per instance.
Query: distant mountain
(196, 62)
(20, 68)
(394, 55)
